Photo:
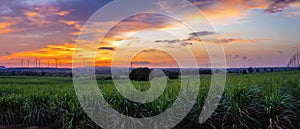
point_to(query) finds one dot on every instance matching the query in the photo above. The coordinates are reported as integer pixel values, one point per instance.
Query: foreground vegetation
(262, 100)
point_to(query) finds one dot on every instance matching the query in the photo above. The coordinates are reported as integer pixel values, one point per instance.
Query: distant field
(259, 100)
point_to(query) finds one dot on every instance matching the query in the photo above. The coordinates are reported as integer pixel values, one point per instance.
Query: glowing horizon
(253, 33)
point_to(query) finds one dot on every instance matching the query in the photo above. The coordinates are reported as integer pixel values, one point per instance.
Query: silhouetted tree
(108, 78)
(250, 70)
(272, 69)
(43, 74)
(244, 72)
(173, 75)
(140, 74)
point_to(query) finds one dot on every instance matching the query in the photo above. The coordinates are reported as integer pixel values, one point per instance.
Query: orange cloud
(31, 14)
(294, 14)
(75, 24)
(62, 52)
(40, 15)
(239, 40)
(229, 11)
(39, 11)
(295, 10)
(62, 13)
(295, 5)
(4, 27)
(121, 30)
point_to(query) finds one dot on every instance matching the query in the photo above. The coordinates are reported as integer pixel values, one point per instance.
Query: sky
(255, 33)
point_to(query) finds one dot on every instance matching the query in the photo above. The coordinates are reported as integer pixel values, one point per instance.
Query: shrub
(108, 78)
(250, 70)
(272, 69)
(173, 75)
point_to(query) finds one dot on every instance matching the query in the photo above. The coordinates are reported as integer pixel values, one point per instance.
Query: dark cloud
(225, 41)
(203, 3)
(45, 28)
(196, 38)
(236, 56)
(168, 41)
(244, 58)
(141, 62)
(184, 42)
(149, 50)
(201, 33)
(139, 22)
(81, 9)
(279, 5)
(274, 6)
(107, 48)
(12, 7)
(280, 52)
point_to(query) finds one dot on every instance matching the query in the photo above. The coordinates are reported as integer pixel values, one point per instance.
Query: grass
(259, 100)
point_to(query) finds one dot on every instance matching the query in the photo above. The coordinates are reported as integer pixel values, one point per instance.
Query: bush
(272, 69)
(140, 74)
(250, 70)
(244, 72)
(173, 75)
(108, 78)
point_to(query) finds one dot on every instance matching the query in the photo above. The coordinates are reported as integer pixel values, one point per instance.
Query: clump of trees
(173, 75)
(250, 70)
(244, 72)
(115, 77)
(108, 78)
(140, 74)
(272, 70)
(143, 74)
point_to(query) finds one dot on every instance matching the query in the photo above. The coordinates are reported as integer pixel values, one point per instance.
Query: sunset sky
(252, 32)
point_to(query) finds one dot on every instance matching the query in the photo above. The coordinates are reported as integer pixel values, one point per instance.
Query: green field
(259, 100)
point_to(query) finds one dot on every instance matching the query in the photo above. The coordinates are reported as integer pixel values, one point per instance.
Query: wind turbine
(59, 64)
(56, 61)
(36, 62)
(22, 62)
(27, 63)
(39, 63)
(298, 60)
